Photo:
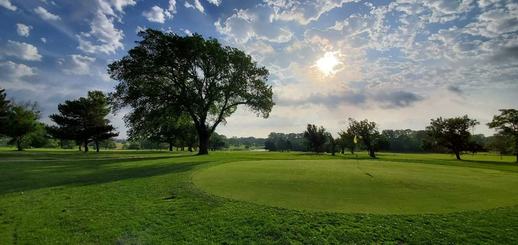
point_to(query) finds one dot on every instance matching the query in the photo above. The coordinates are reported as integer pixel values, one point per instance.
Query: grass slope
(379, 187)
(65, 197)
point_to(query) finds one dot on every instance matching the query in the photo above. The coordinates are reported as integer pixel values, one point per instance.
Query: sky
(398, 63)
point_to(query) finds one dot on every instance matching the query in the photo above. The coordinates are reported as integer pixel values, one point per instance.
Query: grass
(135, 197)
(349, 186)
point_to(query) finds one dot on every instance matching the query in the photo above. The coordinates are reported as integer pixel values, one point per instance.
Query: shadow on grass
(25, 176)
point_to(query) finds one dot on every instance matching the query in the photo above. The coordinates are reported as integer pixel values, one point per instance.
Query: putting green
(352, 186)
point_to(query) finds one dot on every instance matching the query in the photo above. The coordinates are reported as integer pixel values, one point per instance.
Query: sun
(327, 63)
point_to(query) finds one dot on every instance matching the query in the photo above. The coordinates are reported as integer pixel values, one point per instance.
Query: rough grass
(66, 197)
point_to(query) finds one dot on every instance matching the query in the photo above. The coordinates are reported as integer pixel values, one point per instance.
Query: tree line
(441, 135)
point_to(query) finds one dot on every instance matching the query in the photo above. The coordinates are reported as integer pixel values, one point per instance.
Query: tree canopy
(316, 138)
(190, 74)
(365, 131)
(22, 120)
(452, 133)
(507, 125)
(84, 120)
(4, 109)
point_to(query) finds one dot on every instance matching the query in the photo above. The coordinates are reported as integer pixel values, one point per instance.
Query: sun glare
(328, 63)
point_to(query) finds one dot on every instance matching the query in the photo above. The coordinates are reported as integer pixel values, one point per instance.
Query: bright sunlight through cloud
(328, 63)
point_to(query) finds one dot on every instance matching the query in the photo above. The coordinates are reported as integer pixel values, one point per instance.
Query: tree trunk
(189, 148)
(79, 147)
(170, 146)
(203, 135)
(371, 153)
(86, 146)
(457, 155)
(97, 146)
(19, 144)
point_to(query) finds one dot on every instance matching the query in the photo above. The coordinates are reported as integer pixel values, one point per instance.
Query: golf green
(351, 186)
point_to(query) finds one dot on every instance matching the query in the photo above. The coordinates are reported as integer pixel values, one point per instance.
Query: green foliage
(22, 121)
(83, 120)
(217, 142)
(316, 138)
(192, 75)
(365, 131)
(4, 111)
(285, 142)
(452, 133)
(507, 125)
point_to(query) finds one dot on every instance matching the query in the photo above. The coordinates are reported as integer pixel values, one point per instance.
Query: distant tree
(332, 143)
(193, 75)
(217, 142)
(452, 133)
(346, 141)
(367, 132)
(4, 110)
(501, 144)
(84, 120)
(22, 120)
(507, 125)
(316, 138)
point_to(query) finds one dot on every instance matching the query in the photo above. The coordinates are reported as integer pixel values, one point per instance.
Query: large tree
(22, 120)
(452, 133)
(367, 132)
(84, 120)
(190, 74)
(507, 125)
(4, 109)
(316, 138)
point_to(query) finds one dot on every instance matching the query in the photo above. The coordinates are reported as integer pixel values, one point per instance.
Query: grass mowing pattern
(124, 197)
(361, 186)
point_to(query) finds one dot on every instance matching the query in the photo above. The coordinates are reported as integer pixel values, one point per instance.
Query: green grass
(378, 187)
(132, 197)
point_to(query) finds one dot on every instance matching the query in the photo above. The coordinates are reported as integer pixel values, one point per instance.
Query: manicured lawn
(353, 186)
(66, 197)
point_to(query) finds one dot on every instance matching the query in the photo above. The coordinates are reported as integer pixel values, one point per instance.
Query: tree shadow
(26, 176)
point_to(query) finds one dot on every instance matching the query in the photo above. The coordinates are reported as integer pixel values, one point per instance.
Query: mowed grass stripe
(351, 186)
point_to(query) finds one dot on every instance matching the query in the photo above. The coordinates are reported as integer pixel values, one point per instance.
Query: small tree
(316, 138)
(193, 75)
(507, 125)
(367, 132)
(84, 120)
(452, 133)
(22, 120)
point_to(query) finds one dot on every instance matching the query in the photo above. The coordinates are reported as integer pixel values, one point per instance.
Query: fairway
(154, 197)
(353, 186)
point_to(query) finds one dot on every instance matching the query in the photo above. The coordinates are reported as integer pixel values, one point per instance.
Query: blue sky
(399, 63)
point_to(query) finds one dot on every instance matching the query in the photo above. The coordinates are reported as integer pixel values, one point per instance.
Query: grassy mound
(352, 186)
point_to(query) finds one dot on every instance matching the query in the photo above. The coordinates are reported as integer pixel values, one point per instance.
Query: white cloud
(43, 40)
(23, 30)
(103, 36)
(13, 75)
(244, 25)
(119, 5)
(22, 51)
(195, 5)
(171, 9)
(215, 2)
(8, 5)
(304, 11)
(155, 14)
(46, 15)
(78, 64)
